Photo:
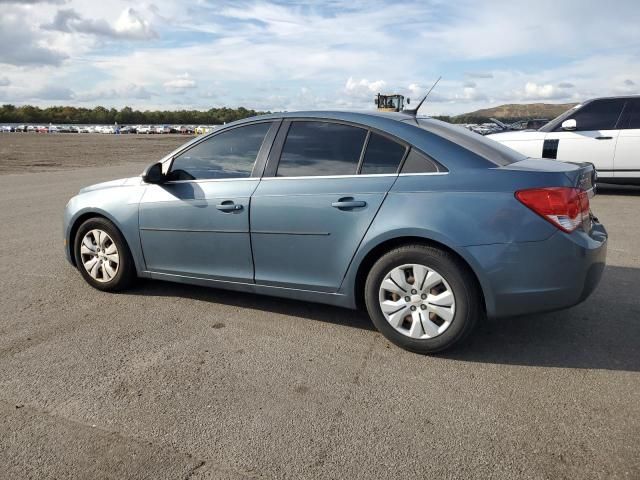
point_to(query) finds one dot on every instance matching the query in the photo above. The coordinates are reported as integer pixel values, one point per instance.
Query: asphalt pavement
(173, 381)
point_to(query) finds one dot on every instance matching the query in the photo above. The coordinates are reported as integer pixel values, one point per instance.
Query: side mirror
(408, 101)
(375, 100)
(153, 174)
(569, 124)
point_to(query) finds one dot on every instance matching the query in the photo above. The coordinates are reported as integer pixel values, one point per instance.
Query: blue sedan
(426, 225)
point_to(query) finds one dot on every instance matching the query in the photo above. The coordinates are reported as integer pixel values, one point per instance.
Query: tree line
(127, 116)
(101, 115)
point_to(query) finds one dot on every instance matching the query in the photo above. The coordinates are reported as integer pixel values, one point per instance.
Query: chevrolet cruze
(426, 225)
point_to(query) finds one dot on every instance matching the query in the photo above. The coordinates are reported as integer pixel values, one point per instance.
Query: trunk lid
(581, 175)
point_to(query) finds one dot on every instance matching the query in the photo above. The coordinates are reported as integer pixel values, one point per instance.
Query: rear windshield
(491, 150)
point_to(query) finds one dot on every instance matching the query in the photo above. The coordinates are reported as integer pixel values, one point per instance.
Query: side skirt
(335, 299)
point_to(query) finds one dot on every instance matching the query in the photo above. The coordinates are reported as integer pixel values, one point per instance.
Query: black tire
(468, 301)
(126, 272)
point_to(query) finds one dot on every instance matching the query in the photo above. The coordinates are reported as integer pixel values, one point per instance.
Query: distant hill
(514, 111)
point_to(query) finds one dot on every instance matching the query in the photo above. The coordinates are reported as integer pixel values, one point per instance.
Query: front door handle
(228, 206)
(604, 138)
(348, 202)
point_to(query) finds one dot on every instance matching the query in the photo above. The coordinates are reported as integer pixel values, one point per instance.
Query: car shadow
(282, 306)
(601, 333)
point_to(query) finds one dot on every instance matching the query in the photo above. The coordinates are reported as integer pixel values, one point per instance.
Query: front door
(197, 223)
(313, 207)
(594, 139)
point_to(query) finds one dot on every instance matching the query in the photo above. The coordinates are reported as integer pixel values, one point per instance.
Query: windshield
(560, 118)
(488, 149)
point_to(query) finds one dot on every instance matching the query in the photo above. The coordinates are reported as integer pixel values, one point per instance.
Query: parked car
(603, 131)
(429, 226)
(145, 129)
(186, 129)
(7, 129)
(532, 124)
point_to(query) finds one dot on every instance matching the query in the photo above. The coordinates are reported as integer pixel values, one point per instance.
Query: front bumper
(530, 277)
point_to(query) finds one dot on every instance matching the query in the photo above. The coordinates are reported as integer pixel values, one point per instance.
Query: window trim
(258, 165)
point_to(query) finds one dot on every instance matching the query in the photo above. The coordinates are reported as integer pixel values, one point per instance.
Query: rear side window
(229, 154)
(382, 155)
(597, 115)
(417, 162)
(321, 148)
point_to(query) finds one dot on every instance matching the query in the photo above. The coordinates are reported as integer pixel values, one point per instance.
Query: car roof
(451, 145)
(615, 97)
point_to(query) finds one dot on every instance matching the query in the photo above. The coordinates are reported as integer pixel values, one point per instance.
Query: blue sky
(311, 55)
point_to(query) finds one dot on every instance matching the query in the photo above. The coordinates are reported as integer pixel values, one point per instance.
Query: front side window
(321, 148)
(229, 154)
(382, 155)
(597, 115)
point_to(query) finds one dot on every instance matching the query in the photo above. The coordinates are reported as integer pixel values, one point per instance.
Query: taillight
(564, 207)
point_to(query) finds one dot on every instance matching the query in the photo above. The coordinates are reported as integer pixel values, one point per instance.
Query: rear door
(323, 185)
(593, 140)
(627, 159)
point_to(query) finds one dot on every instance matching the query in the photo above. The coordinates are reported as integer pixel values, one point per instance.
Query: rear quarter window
(417, 162)
(490, 150)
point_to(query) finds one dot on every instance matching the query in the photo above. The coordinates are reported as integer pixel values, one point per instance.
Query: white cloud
(479, 74)
(180, 84)
(4, 82)
(121, 92)
(129, 25)
(534, 91)
(363, 88)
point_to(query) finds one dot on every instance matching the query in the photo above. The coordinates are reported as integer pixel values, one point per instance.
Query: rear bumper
(531, 277)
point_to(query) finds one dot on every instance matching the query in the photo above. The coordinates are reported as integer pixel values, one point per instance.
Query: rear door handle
(348, 202)
(604, 138)
(228, 206)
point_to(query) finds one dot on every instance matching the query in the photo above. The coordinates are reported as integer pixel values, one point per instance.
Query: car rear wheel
(422, 298)
(102, 255)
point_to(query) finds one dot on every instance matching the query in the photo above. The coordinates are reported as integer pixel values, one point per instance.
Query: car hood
(122, 182)
(517, 135)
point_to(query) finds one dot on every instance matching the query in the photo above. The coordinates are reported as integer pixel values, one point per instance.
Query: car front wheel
(422, 298)
(102, 255)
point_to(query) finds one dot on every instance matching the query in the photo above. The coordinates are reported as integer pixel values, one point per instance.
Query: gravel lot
(170, 381)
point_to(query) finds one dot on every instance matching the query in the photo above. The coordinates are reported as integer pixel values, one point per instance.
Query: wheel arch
(82, 217)
(375, 250)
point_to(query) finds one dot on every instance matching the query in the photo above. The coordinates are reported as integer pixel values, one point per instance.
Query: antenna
(414, 111)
